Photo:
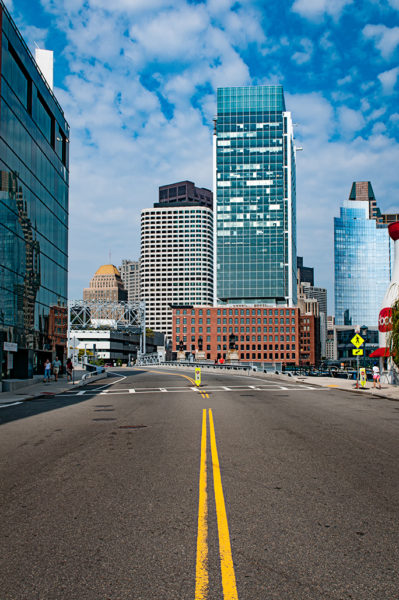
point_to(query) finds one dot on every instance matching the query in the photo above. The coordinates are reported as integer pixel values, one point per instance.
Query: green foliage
(393, 335)
(119, 362)
(149, 332)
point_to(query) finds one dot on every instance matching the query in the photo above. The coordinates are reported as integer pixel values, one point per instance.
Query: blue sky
(137, 80)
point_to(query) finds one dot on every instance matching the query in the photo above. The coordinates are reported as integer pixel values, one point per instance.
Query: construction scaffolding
(107, 314)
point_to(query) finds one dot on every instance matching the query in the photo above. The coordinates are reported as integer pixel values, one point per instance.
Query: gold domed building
(106, 285)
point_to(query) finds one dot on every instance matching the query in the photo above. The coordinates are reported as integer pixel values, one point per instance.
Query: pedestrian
(376, 376)
(56, 368)
(47, 371)
(69, 369)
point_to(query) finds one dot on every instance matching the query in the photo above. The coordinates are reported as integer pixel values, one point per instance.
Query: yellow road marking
(226, 558)
(201, 575)
(190, 379)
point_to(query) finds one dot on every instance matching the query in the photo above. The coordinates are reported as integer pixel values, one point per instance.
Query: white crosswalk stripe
(270, 387)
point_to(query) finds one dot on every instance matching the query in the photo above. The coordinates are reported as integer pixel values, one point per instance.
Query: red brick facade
(261, 334)
(308, 340)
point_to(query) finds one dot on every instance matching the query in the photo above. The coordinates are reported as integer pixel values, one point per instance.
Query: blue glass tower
(362, 253)
(254, 182)
(33, 211)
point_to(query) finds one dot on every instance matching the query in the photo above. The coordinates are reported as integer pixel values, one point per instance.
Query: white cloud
(325, 172)
(318, 9)
(386, 38)
(306, 53)
(388, 80)
(34, 35)
(140, 98)
(345, 80)
(314, 115)
(141, 108)
(377, 113)
(350, 121)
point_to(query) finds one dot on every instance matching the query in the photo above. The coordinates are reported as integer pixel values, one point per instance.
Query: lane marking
(162, 390)
(81, 393)
(12, 404)
(190, 379)
(226, 558)
(226, 388)
(91, 393)
(201, 571)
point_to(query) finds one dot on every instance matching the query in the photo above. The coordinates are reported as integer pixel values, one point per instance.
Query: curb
(49, 394)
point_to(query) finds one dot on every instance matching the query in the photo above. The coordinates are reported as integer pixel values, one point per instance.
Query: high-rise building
(130, 275)
(362, 254)
(254, 182)
(184, 192)
(176, 258)
(319, 295)
(305, 274)
(106, 285)
(34, 150)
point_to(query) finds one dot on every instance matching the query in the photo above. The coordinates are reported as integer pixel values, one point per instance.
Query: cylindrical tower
(391, 295)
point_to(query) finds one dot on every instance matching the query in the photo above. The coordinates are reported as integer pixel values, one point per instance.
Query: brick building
(309, 338)
(257, 333)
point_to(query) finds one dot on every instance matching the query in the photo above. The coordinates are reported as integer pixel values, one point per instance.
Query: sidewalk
(387, 390)
(47, 389)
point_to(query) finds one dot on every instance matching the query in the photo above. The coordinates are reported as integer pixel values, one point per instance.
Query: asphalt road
(134, 489)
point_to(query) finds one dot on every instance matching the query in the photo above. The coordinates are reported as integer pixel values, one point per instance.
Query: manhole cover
(132, 426)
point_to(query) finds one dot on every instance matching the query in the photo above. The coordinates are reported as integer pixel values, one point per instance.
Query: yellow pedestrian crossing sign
(357, 351)
(357, 340)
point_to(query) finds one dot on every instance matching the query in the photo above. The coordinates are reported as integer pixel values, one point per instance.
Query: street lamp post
(363, 332)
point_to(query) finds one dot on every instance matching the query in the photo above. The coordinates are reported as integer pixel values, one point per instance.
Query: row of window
(240, 311)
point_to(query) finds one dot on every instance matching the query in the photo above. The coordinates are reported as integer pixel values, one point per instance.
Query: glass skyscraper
(33, 211)
(254, 182)
(362, 252)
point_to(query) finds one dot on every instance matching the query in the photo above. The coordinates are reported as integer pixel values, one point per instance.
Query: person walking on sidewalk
(376, 376)
(56, 368)
(47, 371)
(69, 369)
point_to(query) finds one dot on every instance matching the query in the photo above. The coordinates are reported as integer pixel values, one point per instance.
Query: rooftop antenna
(109, 257)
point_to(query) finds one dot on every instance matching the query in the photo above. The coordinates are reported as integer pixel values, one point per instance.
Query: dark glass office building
(254, 182)
(33, 211)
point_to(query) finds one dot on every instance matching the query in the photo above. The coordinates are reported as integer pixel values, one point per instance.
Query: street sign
(198, 376)
(357, 351)
(357, 340)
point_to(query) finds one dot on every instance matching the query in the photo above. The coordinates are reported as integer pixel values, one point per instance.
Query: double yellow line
(226, 559)
(203, 393)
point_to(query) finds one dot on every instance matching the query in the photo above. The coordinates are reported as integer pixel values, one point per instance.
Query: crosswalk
(269, 387)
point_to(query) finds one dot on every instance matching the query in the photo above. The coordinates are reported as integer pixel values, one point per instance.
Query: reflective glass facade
(33, 211)
(255, 215)
(362, 252)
